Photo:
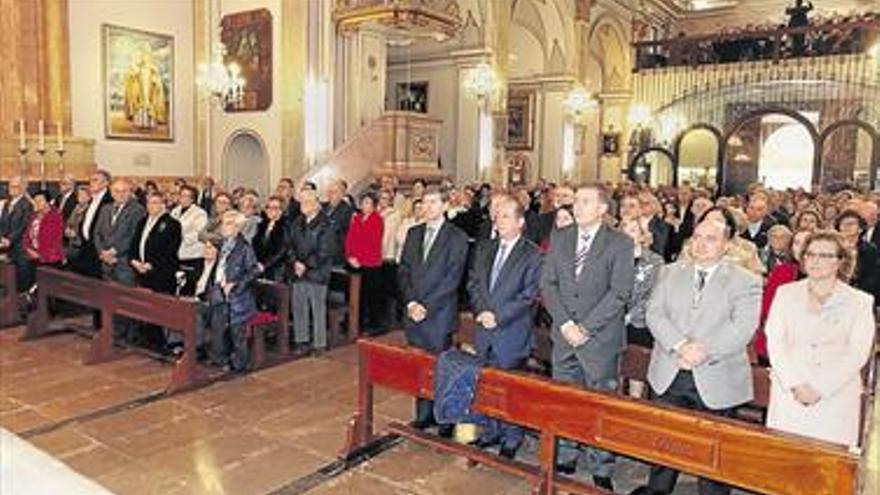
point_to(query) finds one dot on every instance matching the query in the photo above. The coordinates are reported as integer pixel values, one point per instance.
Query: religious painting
(412, 97)
(611, 143)
(520, 120)
(247, 37)
(138, 84)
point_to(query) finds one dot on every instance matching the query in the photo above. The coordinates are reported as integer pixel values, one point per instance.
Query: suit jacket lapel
(437, 238)
(510, 262)
(596, 248)
(712, 290)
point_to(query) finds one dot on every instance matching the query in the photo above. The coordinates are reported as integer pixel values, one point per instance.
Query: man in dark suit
(430, 271)
(157, 238)
(759, 219)
(114, 239)
(87, 262)
(503, 282)
(16, 213)
(338, 211)
(65, 202)
(586, 282)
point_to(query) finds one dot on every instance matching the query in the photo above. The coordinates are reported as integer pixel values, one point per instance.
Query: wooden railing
(726, 450)
(9, 314)
(112, 299)
(829, 38)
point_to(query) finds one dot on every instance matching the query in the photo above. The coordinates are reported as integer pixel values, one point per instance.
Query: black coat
(315, 245)
(760, 238)
(160, 251)
(867, 275)
(271, 249)
(660, 234)
(87, 262)
(66, 204)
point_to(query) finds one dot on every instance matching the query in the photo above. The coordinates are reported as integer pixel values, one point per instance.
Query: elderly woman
(851, 225)
(249, 206)
(809, 219)
(778, 248)
(647, 266)
(230, 289)
(42, 239)
(820, 334)
(222, 204)
(269, 241)
(363, 251)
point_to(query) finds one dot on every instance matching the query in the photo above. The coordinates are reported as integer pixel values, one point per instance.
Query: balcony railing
(854, 35)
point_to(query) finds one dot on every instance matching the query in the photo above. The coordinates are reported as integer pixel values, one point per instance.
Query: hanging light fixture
(221, 80)
(480, 83)
(577, 103)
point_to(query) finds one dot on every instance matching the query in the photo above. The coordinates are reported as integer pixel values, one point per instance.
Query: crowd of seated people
(788, 279)
(836, 34)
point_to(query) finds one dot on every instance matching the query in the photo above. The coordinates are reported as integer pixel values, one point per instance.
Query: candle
(60, 136)
(22, 134)
(41, 131)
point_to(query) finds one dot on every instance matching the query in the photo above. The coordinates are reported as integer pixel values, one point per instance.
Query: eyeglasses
(823, 256)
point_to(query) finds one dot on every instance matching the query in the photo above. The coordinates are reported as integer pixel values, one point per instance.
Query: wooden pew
(275, 296)
(112, 299)
(336, 335)
(737, 453)
(9, 313)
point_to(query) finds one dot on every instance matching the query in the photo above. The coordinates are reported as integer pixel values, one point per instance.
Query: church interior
(171, 148)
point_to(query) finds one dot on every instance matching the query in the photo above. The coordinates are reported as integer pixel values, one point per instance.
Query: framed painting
(248, 40)
(412, 97)
(138, 72)
(520, 120)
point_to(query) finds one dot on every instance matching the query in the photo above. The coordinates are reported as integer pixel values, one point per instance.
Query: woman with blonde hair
(820, 333)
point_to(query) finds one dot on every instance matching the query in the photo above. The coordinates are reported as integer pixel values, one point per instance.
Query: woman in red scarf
(363, 250)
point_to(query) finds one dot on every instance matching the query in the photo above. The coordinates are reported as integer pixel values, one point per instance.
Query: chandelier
(480, 83)
(221, 80)
(577, 103)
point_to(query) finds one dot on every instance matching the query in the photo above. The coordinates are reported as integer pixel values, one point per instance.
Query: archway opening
(698, 158)
(246, 162)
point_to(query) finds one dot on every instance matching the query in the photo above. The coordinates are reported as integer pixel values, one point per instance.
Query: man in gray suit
(586, 282)
(14, 220)
(114, 237)
(702, 314)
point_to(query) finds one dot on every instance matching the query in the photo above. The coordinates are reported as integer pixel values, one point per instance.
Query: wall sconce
(577, 103)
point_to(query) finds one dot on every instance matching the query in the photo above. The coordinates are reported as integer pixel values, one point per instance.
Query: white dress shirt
(91, 213)
(148, 227)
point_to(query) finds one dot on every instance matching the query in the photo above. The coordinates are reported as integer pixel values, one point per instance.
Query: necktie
(496, 267)
(701, 280)
(429, 241)
(581, 255)
(116, 210)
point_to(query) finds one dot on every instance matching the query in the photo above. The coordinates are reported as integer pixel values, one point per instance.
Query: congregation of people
(833, 34)
(711, 284)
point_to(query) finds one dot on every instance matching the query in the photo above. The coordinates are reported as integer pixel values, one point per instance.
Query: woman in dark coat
(268, 242)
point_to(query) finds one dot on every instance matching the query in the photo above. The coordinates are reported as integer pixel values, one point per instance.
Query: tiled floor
(251, 435)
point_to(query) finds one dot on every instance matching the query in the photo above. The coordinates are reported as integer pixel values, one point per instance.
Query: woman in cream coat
(820, 333)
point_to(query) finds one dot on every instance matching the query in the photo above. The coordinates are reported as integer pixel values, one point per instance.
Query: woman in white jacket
(820, 333)
(193, 220)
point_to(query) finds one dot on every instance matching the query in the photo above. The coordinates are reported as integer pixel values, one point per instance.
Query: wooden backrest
(710, 446)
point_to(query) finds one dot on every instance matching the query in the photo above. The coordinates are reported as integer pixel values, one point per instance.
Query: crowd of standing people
(712, 284)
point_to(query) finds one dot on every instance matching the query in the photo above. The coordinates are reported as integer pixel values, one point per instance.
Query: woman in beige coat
(820, 333)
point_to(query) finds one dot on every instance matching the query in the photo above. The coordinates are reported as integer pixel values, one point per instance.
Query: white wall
(266, 125)
(442, 80)
(172, 17)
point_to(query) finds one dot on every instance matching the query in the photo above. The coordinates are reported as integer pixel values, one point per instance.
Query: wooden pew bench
(112, 299)
(726, 450)
(273, 315)
(9, 310)
(343, 305)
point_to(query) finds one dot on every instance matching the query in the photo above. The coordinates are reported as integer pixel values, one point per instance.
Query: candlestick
(60, 136)
(22, 135)
(42, 153)
(41, 135)
(60, 152)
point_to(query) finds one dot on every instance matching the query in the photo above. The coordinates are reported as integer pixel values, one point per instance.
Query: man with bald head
(868, 210)
(702, 314)
(115, 231)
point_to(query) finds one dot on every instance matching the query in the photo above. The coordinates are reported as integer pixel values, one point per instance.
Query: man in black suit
(759, 219)
(114, 239)
(431, 268)
(87, 262)
(868, 210)
(157, 238)
(336, 208)
(286, 189)
(503, 283)
(16, 212)
(65, 202)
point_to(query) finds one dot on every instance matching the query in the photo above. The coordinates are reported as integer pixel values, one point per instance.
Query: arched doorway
(849, 151)
(246, 162)
(653, 166)
(697, 151)
(774, 146)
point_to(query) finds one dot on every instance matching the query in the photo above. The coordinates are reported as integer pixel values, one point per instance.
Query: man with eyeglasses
(702, 314)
